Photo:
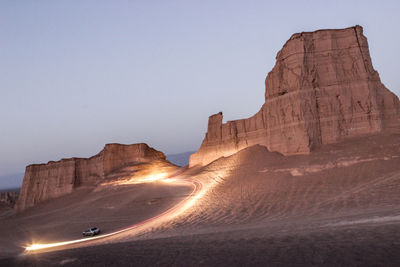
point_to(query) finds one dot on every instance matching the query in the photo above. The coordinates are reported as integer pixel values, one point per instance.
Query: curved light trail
(183, 205)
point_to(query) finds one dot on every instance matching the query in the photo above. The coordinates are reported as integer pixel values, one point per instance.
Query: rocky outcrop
(322, 88)
(9, 198)
(54, 179)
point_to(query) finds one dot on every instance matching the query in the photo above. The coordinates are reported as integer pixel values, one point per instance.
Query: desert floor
(339, 206)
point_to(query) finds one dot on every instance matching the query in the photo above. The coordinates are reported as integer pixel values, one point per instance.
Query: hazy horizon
(77, 75)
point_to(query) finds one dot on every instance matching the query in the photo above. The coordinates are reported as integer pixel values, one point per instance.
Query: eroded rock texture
(9, 198)
(54, 179)
(322, 88)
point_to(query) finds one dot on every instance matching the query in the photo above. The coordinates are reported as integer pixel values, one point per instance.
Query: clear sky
(75, 75)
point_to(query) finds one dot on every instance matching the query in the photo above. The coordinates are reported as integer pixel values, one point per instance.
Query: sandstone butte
(322, 89)
(54, 179)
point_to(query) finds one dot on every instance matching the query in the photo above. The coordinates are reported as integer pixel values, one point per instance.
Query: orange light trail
(183, 205)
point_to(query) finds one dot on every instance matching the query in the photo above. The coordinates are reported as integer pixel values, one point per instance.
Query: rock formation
(9, 198)
(322, 88)
(54, 179)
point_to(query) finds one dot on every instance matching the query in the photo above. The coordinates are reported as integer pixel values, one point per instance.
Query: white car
(91, 232)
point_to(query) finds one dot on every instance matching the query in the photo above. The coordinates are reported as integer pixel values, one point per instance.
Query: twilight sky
(75, 75)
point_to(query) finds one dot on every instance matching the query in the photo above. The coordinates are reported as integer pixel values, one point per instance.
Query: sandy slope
(338, 206)
(355, 180)
(108, 206)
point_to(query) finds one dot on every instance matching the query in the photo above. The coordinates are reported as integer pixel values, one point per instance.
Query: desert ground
(338, 206)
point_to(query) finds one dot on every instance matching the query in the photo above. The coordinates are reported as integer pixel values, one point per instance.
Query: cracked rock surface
(322, 89)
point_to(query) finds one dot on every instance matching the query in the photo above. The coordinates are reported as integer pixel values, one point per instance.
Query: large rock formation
(322, 88)
(54, 179)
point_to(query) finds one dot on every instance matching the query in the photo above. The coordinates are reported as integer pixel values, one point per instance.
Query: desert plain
(312, 179)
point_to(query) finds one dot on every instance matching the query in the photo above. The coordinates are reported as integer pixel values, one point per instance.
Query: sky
(75, 75)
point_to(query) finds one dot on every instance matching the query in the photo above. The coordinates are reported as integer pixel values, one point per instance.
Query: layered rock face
(54, 179)
(322, 88)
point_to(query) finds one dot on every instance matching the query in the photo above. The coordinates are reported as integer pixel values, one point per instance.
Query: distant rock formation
(181, 159)
(54, 179)
(322, 88)
(9, 198)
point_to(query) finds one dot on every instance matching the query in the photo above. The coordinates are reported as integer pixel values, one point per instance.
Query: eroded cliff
(54, 179)
(322, 88)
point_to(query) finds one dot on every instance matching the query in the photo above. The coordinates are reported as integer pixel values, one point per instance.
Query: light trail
(176, 210)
